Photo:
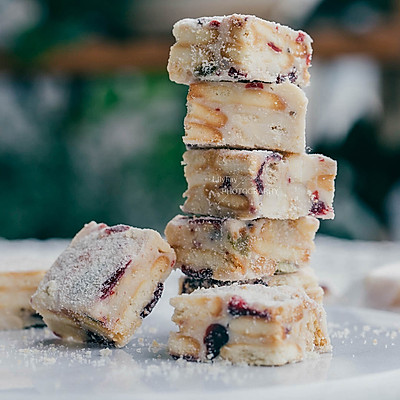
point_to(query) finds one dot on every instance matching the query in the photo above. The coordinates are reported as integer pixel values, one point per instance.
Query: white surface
(36, 363)
(365, 363)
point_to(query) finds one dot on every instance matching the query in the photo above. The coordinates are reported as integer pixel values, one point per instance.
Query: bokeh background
(90, 125)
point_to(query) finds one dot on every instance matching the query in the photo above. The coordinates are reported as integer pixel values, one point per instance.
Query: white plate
(366, 352)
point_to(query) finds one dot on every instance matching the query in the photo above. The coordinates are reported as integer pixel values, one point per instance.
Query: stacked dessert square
(253, 195)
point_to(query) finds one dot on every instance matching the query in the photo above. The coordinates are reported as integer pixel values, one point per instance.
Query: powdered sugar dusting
(84, 272)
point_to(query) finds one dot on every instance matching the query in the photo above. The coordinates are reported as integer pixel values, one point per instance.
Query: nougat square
(252, 324)
(103, 285)
(235, 250)
(238, 48)
(250, 115)
(258, 184)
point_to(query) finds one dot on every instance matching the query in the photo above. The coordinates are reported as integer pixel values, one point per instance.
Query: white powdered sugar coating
(194, 24)
(78, 277)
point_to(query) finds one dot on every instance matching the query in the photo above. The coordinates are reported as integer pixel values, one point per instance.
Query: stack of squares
(253, 195)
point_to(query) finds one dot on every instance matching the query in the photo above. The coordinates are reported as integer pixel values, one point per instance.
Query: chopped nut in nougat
(304, 278)
(258, 184)
(233, 250)
(103, 285)
(238, 48)
(252, 324)
(251, 115)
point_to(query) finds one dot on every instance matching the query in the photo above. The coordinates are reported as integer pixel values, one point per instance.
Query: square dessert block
(23, 264)
(251, 115)
(234, 250)
(253, 324)
(16, 289)
(103, 285)
(304, 278)
(238, 48)
(258, 184)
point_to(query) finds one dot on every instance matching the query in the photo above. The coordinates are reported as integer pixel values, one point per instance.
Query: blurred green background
(90, 125)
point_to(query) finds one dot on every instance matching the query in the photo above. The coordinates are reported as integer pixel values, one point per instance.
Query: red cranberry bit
(238, 307)
(216, 336)
(234, 73)
(300, 37)
(274, 47)
(318, 207)
(321, 159)
(308, 59)
(156, 296)
(217, 109)
(274, 158)
(257, 85)
(258, 181)
(289, 180)
(109, 284)
(204, 273)
(116, 229)
(214, 24)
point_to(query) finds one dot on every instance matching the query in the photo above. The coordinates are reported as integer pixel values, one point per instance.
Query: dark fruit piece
(156, 296)
(109, 284)
(204, 273)
(300, 37)
(274, 47)
(292, 76)
(214, 23)
(238, 307)
(94, 337)
(116, 229)
(257, 85)
(216, 336)
(234, 73)
(186, 357)
(258, 181)
(318, 207)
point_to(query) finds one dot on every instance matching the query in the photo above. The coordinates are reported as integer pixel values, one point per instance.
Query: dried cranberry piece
(300, 37)
(238, 307)
(109, 284)
(257, 85)
(156, 296)
(94, 337)
(318, 207)
(234, 73)
(214, 24)
(258, 181)
(186, 357)
(274, 47)
(216, 336)
(116, 229)
(292, 76)
(204, 273)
